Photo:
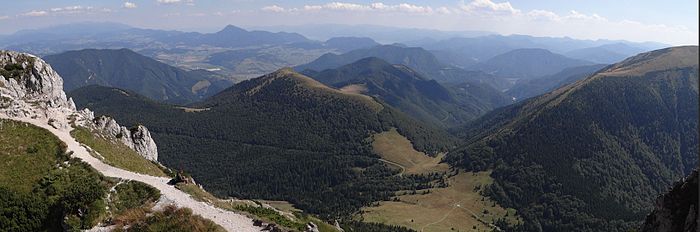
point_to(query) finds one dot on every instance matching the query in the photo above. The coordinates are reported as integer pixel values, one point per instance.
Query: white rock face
(32, 89)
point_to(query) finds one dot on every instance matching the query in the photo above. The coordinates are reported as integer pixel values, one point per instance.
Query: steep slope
(527, 63)
(124, 68)
(282, 136)
(408, 91)
(677, 209)
(415, 58)
(605, 54)
(524, 89)
(591, 156)
(67, 179)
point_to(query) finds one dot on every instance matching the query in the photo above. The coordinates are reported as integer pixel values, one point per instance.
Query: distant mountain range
(527, 88)
(418, 59)
(586, 155)
(606, 54)
(126, 69)
(527, 63)
(410, 92)
(463, 52)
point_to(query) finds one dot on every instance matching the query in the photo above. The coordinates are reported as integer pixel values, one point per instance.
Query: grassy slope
(394, 147)
(25, 161)
(29, 159)
(287, 215)
(116, 153)
(458, 206)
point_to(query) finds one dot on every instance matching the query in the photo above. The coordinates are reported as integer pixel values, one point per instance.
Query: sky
(673, 22)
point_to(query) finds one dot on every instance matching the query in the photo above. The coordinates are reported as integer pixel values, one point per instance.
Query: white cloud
(4, 17)
(71, 9)
(67, 10)
(273, 8)
(130, 5)
(488, 6)
(36, 13)
(353, 7)
(187, 2)
(498, 16)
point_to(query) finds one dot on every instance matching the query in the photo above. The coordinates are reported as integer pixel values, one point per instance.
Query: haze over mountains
(420, 130)
(124, 68)
(410, 91)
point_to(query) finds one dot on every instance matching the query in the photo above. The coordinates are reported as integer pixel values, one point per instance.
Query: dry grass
(457, 207)
(394, 147)
(116, 153)
(355, 89)
(284, 208)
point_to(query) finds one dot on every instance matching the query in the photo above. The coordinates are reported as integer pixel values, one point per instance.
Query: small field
(398, 150)
(355, 88)
(116, 153)
(458, 207)
(27, 153)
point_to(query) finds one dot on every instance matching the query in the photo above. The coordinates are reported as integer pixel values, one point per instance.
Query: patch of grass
(459, 206)
(394, 147)
(170, 219)
(290, 217)
(27, 153)
(132, 194)
(116, 153)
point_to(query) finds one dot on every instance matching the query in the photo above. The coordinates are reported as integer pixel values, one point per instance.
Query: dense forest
(594, 155)
(282, 136)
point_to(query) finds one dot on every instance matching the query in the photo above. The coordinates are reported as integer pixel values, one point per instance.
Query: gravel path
(229, 220)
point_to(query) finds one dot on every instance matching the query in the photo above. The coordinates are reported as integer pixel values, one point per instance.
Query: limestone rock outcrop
(676, 210)
(30, 88)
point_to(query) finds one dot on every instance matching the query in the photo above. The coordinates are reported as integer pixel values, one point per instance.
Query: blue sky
(672, 21)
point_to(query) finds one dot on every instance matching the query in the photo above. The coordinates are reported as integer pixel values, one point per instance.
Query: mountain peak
(232, 29)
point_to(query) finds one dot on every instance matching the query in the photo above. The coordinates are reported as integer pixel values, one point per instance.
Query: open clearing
(459, 206)
(396, 148)
(354, 88)
(456, 207)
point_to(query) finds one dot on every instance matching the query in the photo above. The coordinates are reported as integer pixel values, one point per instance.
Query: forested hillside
(593, 155)
(281, 136)
(410, 92)
(126, 69)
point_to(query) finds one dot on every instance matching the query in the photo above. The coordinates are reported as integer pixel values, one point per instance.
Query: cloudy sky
(670, 21)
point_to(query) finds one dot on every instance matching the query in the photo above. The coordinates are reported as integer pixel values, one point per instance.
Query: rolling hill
(527, 63)
(418, 59)
(524, 89)
(282, 136)
(410, 92)
(593, 155)
(126, 69)
(605, 54)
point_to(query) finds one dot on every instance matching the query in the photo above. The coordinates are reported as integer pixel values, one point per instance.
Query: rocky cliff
(676, 210)
(30, 88)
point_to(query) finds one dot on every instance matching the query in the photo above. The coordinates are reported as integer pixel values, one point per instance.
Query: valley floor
(229, 220)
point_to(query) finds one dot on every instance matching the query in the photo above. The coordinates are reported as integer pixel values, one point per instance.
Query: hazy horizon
(635, 21)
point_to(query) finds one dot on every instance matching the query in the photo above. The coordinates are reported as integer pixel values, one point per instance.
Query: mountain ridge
(586, 146)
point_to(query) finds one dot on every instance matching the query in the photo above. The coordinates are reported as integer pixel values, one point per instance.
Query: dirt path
(403, 169)
(229, 220)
